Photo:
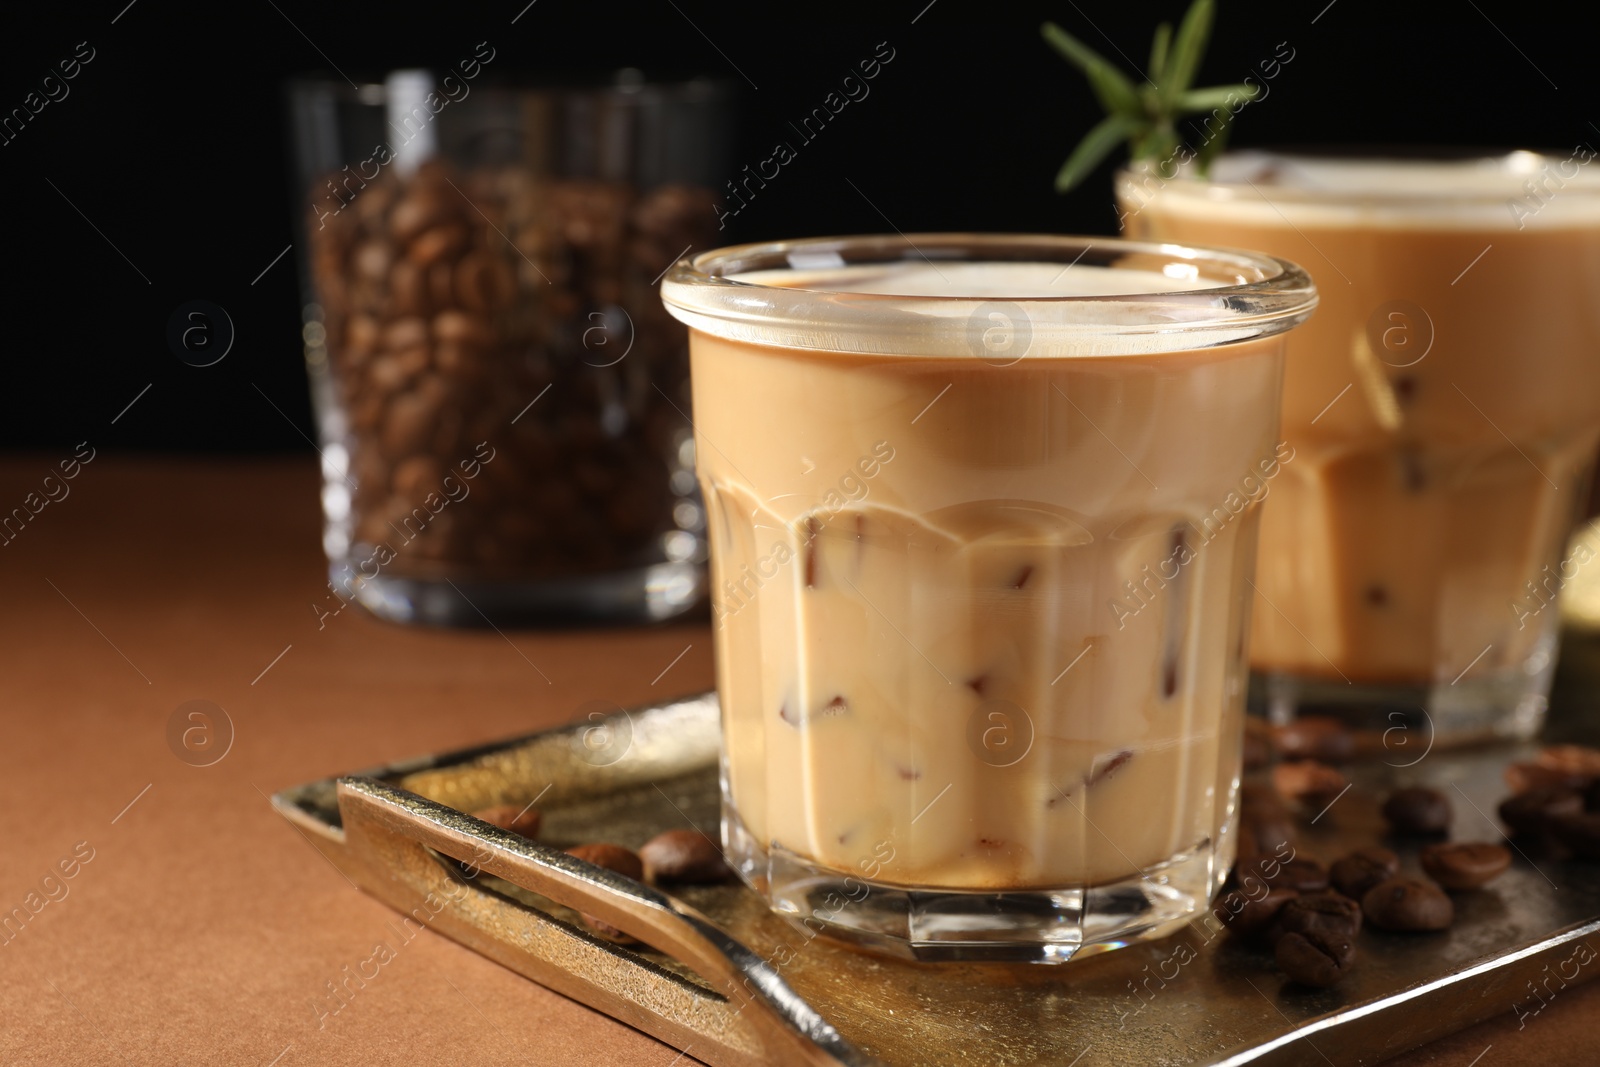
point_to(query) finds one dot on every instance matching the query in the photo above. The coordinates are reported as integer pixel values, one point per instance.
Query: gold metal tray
(734, 985)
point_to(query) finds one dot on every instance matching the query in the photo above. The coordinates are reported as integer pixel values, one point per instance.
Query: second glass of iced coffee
(930, 464)
(1442, 412)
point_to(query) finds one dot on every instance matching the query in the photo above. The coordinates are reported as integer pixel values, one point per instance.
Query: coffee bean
(1465, 866)
(1327, 914)
(1257, 744)
(517, 818)
(462, 328)
(362, 334)
(1358, 871)
(613, 858)
(484, 283)
(606, 930)
(1406, 904)
(1580, 833)
(466, 364)
(1571, 759)
(623, 861)
(392, 371)
(1264, 832)
(410, 332)
(438, 243)
(441, 277)
(1527, 776)
(1533, 811)
(1316, 959)
(1301, 875)
(1308, 782)
(1256, 798)
(372, 259)
(1250, 913)
(419, 211)
(408, 424)
(683, 856)
(417, 476)
(1315, 737)
(1417, 810)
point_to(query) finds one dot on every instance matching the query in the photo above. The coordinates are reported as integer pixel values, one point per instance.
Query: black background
(173, 144)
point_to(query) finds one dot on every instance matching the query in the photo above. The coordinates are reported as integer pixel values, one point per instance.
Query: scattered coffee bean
(1263, 832)
(1266, 829)
(1459, 866)
(1580, 833)
(607, 931)
(1316, 959)
(1417, 810)
(1407, 904)
(1308, 782)
(1248, 914)
(1256, 798)
(613, 858)
(1531, 812)
(623, 861)
(683, 856)
(1362, 869)
(1257, 743)
(1301, 875)
(1571, 759)
(1315, 737)
(1327, 914)
(517, 818)
(1526, 777)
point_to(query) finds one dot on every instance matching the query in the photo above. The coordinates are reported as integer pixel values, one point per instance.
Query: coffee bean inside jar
(505, 401)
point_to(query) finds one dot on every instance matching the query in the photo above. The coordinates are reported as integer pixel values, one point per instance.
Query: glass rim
(618, 88)
(1255, 295)
(1501, 173)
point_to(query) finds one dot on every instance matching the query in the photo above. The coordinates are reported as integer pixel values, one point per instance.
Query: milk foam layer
(997, 281)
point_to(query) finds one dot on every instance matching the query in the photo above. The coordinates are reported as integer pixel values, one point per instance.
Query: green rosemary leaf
(1197, 100)
(1213, 146)
(1094, 147)
(1158, 52)
(1157, 145)
(1187, 48)
(1111, 87)
(1145, 113)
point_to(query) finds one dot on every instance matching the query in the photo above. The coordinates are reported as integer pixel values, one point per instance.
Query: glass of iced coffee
(1442, 411)
(981, 661)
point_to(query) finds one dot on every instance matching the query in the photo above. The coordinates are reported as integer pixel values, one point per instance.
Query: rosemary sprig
(1146, 116)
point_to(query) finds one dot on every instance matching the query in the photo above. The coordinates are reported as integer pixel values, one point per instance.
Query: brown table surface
(204, 929)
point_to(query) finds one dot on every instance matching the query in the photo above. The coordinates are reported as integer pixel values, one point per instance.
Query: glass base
(1019, 926)
(1407, 721)
(646, 594)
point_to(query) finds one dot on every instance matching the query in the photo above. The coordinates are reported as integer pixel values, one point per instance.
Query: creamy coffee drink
(1443, 407)
(979, 569)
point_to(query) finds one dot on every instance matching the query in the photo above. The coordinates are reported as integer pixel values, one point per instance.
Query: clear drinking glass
(501, 399)
(1443, 410)
(979, 655)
